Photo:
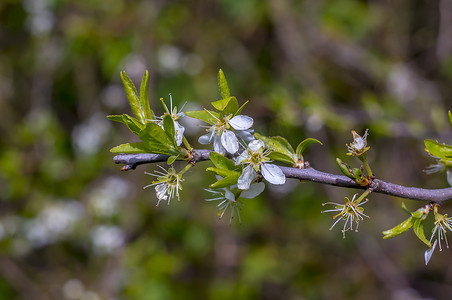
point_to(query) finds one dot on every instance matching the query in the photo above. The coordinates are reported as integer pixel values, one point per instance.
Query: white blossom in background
(167, 185)
(106, 239)
(53, 223)
(224, 133)
(256, 159)
(228, 198)
(104, 200)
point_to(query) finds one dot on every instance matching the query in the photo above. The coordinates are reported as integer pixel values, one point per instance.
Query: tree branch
(131, 161)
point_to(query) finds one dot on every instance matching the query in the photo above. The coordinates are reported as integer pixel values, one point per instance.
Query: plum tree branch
(131, 161)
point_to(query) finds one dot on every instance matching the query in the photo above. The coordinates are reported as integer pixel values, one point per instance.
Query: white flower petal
(229, 141)
(241, 122)
(256, 145)
(247, 176)
(160, 191)
(179, 132)
(246, 135)
(217, 146)
(255, 190)
(229, 195)
(242, 157)
(428, 253)
(273, 174)
(204, 139)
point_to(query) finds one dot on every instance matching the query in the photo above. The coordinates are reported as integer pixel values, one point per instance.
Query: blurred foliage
(73, 227)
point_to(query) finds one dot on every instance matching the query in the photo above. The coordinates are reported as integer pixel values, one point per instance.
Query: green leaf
(420, 213)
(144, 97)
(418, 228)
(344, 168)
(226, 106)
(399, 229)
(203, 115)
(172, 159)
(224, 173)
(281, 157)
(239, 111)
(133, 124)
(405, 209)
(357, 173)
(226, 181)
(304, 144)
(221, 162)
(168, 125)
(132, 96)
(116, 118)
(450, 118)
(277, 144)
(283, 142)
(439, 150)
(223, 85)
(157, 141)
(130, 148)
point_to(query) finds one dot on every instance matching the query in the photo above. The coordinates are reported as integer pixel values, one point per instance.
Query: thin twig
(131, 161)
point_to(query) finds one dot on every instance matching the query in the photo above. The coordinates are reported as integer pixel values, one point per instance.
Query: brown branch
(131, 161)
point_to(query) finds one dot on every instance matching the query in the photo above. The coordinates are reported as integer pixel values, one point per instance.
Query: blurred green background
(72, 226)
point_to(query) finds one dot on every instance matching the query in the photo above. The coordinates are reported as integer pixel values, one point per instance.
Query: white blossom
(223, 138)
(167, 185)
(255, 157)
(229, 198)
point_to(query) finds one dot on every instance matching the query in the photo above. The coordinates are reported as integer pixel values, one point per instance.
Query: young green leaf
(223, 172)
(157, 141)
(223, 85)
(405, 209)
(304, 144)
(168, 125)
(172, 159)
(130, 148)
(418, 228)
(439, 150)
(116, 118)
(226, 106)
(239, 111)
(226, 181)
(344, 168)
(399, 229)
(203, 115)
(277, 144)
(144, 97)
(221, 162)
(132, 96)
(282, 158)
(133, 124)
(450, 118)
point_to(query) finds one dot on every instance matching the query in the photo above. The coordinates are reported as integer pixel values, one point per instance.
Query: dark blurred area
(72, 226)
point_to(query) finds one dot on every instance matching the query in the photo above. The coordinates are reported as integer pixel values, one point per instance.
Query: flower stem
(187, 167)
(363, 196)
(363, 158)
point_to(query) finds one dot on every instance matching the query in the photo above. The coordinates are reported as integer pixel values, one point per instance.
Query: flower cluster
(359, 145)
(257, 161)
(350, 212)
(167, 185)
(224, 133)
(228, 198)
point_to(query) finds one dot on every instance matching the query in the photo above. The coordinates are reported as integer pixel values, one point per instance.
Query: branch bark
(131, 161)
